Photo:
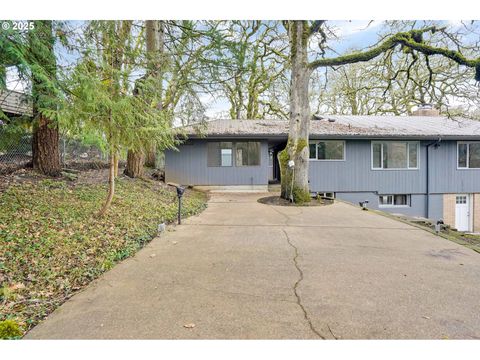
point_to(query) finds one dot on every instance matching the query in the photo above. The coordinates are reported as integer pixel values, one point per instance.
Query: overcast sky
(355, 34)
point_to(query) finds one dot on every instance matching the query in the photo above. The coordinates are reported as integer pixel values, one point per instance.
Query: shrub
(9, 329)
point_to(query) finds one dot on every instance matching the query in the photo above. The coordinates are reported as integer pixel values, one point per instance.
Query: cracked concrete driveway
(245, 270)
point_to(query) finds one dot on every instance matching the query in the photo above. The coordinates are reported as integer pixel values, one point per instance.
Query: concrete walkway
(245, 270)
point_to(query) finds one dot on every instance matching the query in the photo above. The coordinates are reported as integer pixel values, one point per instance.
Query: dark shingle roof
(348, 126)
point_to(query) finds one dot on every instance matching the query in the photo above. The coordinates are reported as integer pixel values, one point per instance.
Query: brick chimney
(426, 110)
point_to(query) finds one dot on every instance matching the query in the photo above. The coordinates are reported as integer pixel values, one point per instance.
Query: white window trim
(221, 158)
(468, 155)
(395, 169)
(409, 201)
(316, 150)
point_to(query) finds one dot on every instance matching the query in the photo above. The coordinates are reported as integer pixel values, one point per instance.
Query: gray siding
(356, 174)
(352, 180)
(189, 167)
(444, 175)
(418, 204)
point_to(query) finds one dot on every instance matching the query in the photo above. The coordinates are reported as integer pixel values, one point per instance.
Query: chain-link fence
(74, 150)
(16, 151)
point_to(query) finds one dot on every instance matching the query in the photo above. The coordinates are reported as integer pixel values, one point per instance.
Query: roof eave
(338, 136)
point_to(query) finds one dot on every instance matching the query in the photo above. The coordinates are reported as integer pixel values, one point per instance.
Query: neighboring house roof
(345, 126)
(14, 102)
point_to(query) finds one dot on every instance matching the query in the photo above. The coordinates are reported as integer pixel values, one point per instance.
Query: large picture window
(395, 154)
(468, 155)
(327, 150)
(222, 154)
(247, 153)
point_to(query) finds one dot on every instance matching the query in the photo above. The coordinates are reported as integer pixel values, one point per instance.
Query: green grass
(52, 243)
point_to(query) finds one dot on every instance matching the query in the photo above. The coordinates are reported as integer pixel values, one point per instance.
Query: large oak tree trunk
(45, 141)
(295, 180)
(135, 161)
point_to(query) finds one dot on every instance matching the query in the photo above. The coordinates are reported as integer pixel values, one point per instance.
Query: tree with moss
(300, 34)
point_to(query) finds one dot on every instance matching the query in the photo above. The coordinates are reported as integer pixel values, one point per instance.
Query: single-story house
(421, 166)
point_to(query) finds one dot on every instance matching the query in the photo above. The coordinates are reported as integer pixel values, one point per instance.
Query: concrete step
(274, 187)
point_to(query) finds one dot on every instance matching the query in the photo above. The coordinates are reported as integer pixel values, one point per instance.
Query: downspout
(436, 144)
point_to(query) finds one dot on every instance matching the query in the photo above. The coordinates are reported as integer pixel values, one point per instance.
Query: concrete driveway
(245, 270)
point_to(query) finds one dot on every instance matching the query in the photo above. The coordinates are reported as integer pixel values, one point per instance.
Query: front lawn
(52, 243)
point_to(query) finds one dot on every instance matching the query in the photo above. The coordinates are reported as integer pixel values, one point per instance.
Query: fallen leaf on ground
(189, 326)
(17, 286)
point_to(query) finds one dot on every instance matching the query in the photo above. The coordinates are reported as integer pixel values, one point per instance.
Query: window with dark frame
(327, 150)
(394, 200)
(221, 154)
(247, 153)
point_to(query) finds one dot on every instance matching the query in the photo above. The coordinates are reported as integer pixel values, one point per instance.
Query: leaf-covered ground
(52, 244)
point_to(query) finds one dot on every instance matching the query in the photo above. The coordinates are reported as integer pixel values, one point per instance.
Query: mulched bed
(278, 201)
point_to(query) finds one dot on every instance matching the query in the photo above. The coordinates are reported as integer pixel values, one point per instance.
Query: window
(219, 154)
(247, 153)
(394, 200)
(327, 150)
(468, 155)
(461, 199)
(226, 159)
(395, 155)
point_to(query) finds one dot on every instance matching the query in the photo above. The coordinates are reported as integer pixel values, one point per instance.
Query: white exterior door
(462, 212)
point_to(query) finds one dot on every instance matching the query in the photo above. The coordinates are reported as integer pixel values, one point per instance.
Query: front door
(462, 212)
